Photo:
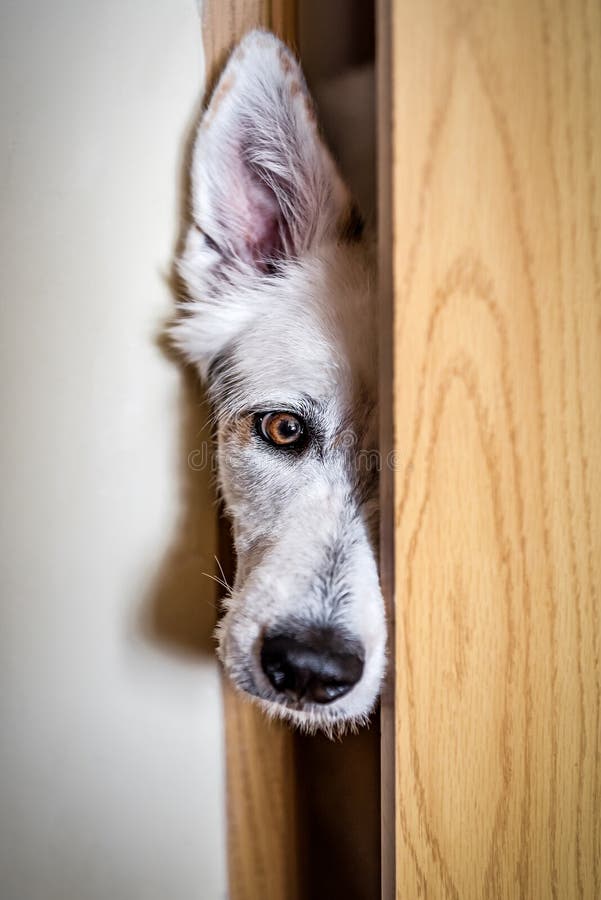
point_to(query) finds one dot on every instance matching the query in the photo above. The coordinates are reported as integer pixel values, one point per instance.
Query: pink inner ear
(264, 240)
(251, 217)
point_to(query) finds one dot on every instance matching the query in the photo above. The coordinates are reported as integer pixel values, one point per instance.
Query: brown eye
(281, 429)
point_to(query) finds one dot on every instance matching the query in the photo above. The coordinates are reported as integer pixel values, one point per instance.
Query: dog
(279, 319)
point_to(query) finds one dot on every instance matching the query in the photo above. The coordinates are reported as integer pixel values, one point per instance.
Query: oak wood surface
(262, 834)
(224, 22)
(497, 411)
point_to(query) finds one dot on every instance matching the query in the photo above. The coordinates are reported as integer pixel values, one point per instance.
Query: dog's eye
(282, 429)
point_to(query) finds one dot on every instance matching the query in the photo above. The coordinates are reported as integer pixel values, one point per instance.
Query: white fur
(280, 315)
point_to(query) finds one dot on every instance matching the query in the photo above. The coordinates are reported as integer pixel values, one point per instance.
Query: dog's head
(280, 320)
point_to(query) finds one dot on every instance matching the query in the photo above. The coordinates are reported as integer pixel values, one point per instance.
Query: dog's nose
(318, 667)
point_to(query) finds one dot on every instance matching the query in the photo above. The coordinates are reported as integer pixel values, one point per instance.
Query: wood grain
(262, 829)
(261, 808)
(225, 22)
(497, 411)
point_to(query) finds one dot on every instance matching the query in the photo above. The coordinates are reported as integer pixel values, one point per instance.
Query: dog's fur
(280, 316)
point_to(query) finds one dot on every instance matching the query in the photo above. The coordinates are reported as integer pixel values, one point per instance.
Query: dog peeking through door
(280, 322)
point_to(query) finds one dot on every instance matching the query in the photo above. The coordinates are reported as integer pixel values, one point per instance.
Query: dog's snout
(318, 667)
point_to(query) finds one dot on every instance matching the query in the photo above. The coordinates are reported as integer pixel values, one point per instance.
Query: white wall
(111, 756)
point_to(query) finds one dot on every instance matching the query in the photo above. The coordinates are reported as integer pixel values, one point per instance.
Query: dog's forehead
(311, 334)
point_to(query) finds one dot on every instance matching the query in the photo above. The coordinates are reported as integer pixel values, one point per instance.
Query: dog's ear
(264, 185)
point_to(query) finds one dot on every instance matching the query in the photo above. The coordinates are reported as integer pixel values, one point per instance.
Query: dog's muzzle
(318, 665)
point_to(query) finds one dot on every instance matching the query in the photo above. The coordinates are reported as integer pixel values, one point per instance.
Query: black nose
(318, 666)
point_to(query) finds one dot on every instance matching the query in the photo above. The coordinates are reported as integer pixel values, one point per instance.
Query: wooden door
(492, 258)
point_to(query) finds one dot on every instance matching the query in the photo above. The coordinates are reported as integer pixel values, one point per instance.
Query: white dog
(280, 320)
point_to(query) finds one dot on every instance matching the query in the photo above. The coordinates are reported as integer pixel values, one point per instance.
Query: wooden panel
(387, 474)
(224, 23)
(497, 408)
(261, 804)
(261, 809)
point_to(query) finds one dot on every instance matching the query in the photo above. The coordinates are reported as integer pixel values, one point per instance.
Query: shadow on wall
(180, 611)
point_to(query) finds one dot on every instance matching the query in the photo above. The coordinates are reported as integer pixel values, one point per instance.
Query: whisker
(225, 581)
(218, 581)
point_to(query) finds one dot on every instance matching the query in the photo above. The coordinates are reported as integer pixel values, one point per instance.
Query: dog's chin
(333, 722)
